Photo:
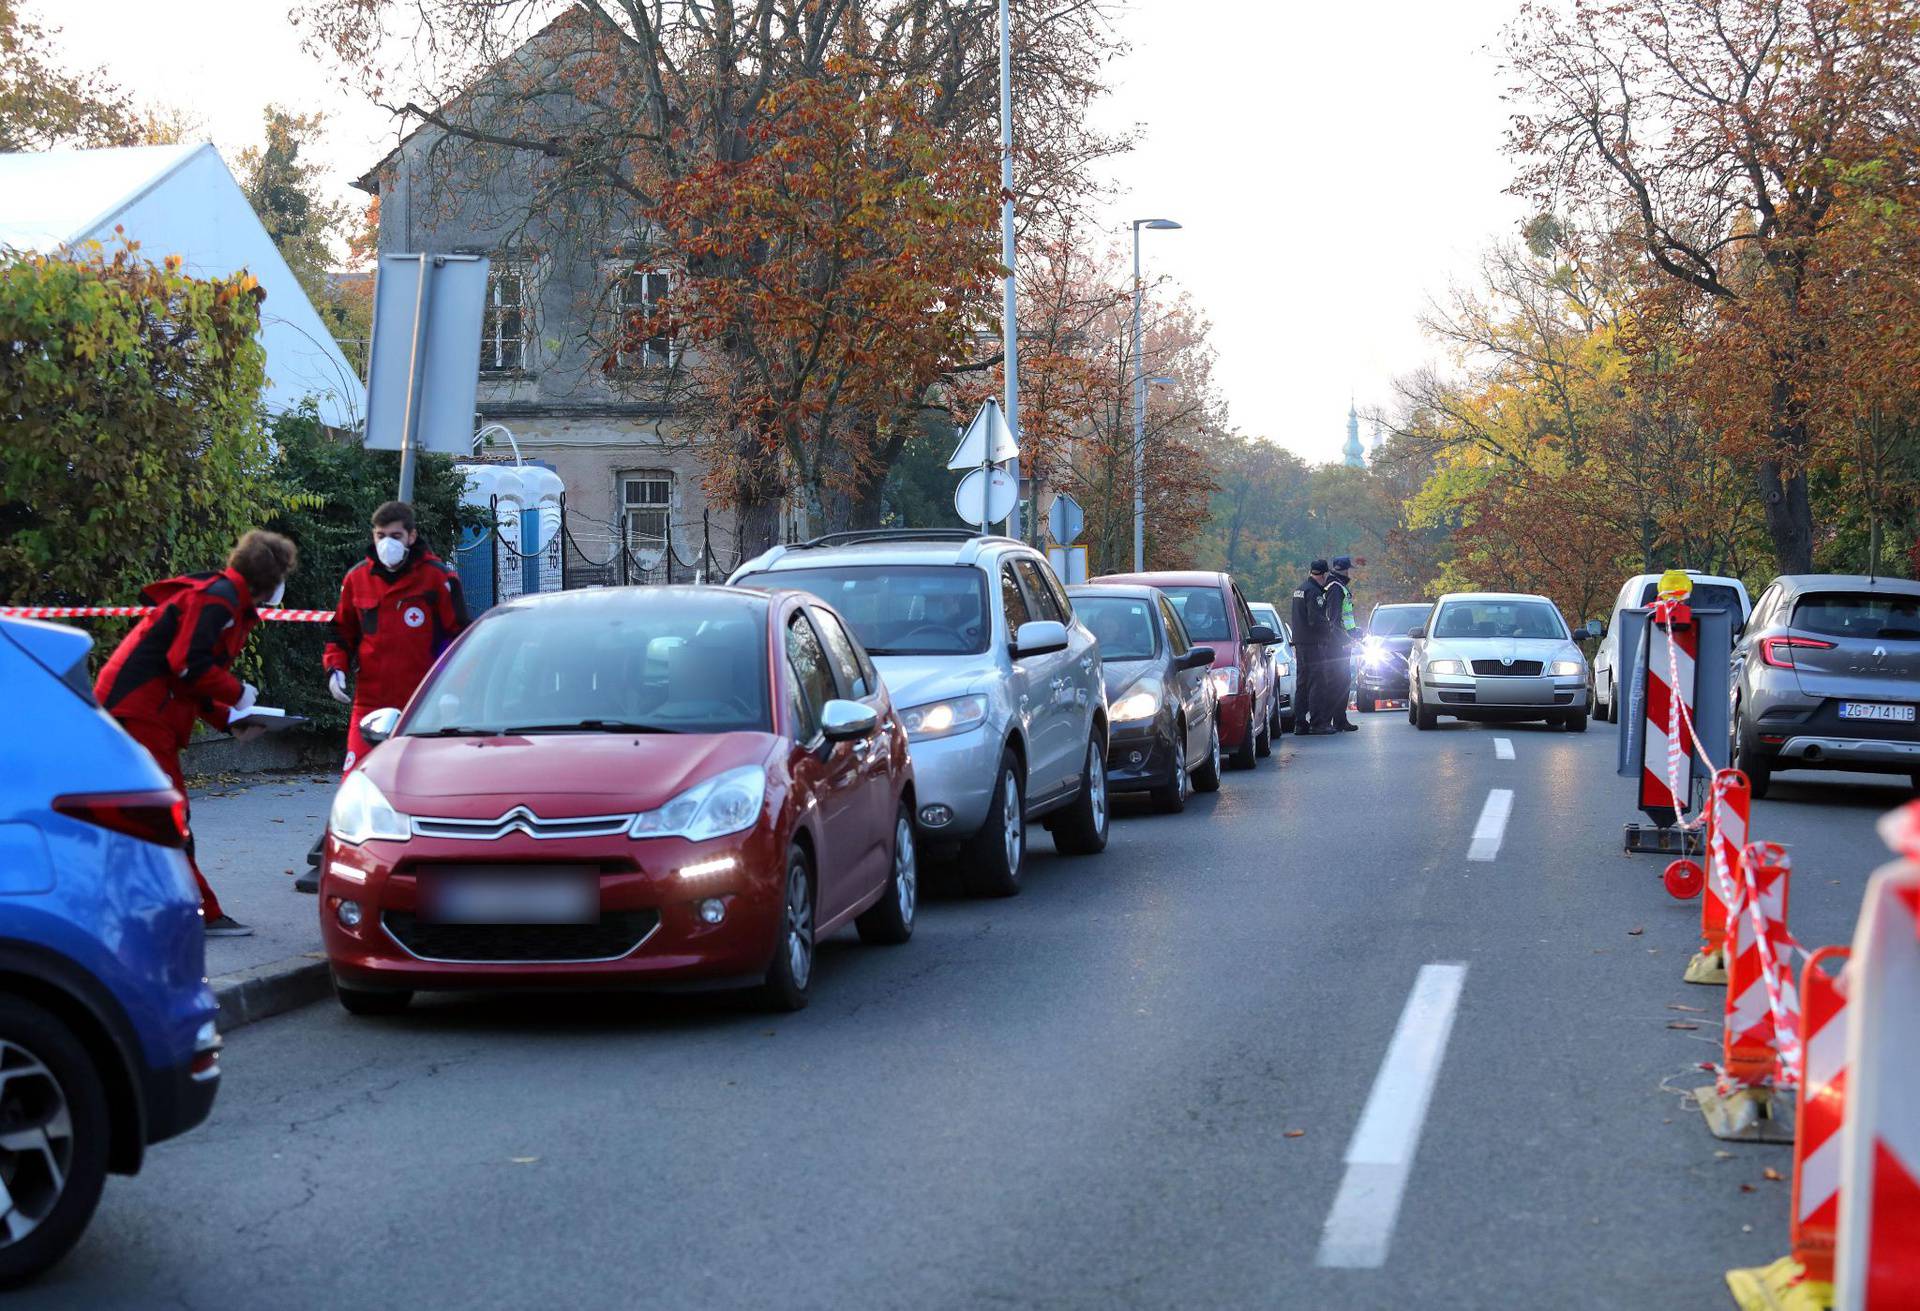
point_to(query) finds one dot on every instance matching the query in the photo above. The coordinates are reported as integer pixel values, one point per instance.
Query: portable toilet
(496, 488)
(540, 515)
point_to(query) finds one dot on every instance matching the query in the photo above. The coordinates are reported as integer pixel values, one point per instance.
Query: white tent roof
(181, 200)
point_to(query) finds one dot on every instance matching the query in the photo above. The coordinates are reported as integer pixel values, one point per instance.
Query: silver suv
(1827, 676)
(998, 683)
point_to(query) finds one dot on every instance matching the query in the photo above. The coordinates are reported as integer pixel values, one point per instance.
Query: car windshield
(904, 609)
(1203, 610)
(1124, 625)
(646, 663)
(1705, 596)
(1499, 618)
(1265, 614)
(1862, 615)
(1397, 620)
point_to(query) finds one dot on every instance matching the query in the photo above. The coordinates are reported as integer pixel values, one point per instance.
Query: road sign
(1065, 519)
(988, 424)
(1001, 490)
(1069, 563)
(423, 371)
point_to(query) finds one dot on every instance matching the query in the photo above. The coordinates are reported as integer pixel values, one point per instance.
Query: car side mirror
(1262, 634)
(843, 721)
(376, 726)
(1039, 637)
(1417, 632)
(1198, 657)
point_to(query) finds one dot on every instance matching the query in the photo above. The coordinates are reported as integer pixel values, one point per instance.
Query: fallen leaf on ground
(1773, 1174)
(1724, 1156)
(1295, 1133)
(1682, 1006)
(1681, 1024)
(1746, 1188)
(523, 1160)
(1634, 933)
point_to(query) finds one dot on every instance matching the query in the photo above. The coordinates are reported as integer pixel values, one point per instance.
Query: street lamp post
(1140, 403)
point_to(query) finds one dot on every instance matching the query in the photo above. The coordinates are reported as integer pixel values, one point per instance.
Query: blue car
(107, 1034)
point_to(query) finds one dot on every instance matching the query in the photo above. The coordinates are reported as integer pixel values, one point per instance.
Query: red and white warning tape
(138, 611)
(1770, 932)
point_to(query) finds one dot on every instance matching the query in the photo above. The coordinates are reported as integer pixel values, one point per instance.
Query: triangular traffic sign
(987, 433)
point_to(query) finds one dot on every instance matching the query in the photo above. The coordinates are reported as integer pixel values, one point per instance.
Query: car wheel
(1207, 777)
(1610, 709)
(1748, 761)
(1171, 798)
(1263, 745)
(1081, 829)
(372, 1001)
(53, 1139)
(1245, 756)
(889, 921)
(1575, 722)
(791, 973)
(1423, 718)
(999, 848)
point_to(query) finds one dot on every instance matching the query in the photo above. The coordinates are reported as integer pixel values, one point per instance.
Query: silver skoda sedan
(1501, 656)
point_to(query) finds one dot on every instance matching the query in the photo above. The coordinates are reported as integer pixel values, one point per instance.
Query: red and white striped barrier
(139, 611)
(1673, 644)
(1877, 1254)
(1761, 1046)
(1729, 803)
(1821, 1114)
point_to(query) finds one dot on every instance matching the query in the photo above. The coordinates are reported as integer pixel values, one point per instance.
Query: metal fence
(494, 567)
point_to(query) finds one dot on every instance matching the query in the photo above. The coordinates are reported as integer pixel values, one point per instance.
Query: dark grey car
(1165, 735)
(1826, 675)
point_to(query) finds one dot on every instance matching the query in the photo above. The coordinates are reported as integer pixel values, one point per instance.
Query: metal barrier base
(1782, 1286)
(1750, 1115)
(1662, 840)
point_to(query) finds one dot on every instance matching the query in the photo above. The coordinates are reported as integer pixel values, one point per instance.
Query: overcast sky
(1334, 165)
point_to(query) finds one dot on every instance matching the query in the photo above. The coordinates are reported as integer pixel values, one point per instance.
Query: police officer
(1343, 636)
(1309, 635)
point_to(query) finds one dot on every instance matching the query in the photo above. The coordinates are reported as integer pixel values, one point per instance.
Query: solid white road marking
(1492, 826)
(1503, 748)
(1380, 1156)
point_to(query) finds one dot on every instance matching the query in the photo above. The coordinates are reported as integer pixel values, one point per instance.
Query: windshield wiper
(453, 730)
(589, 726)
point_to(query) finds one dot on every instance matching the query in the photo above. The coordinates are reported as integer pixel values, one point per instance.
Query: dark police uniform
(1309, 635)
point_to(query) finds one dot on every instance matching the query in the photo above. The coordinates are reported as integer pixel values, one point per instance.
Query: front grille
(520, 820)
(617, 933)
(1518, 669)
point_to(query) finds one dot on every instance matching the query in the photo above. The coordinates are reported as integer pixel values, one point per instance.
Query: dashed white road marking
(1492, 826)
(1380, 1156)
(1503, 748)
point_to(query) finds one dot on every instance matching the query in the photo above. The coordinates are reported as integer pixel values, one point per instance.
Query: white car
(1281, 667)
(1709, 590)
(1502, 656)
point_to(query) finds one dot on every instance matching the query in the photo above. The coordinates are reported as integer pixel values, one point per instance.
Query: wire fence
(541, 552)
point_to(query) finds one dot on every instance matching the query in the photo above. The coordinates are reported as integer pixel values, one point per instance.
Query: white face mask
(391, 550)
(280, 590)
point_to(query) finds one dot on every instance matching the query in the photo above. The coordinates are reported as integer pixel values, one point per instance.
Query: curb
(267, 990)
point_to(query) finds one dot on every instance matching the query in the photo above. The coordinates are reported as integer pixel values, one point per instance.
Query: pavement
(1137, 1084)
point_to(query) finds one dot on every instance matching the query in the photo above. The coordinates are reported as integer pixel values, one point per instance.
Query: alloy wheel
(1097, 784)
(1213, 745)
(906, 870)
(1180, 779)
(36, 1142)
(1013, 829)
(799, 926)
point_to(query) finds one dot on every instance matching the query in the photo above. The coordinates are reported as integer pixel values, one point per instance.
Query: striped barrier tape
(139, 611)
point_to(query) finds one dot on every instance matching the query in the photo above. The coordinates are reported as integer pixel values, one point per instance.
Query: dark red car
(1215, 615)
(658, 787)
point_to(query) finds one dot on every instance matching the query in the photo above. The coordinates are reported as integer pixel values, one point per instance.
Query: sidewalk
(252, 832)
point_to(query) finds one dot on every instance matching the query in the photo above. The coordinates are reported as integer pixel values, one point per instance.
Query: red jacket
(393, 624)
(176, 664)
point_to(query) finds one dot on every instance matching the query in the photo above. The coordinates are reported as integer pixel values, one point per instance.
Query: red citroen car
(657, 787)
(1215, 614)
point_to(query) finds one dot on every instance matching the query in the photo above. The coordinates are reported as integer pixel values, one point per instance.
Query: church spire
(1354, 454)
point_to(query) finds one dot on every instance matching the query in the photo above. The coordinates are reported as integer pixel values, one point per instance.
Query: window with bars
(646, 505)
(636, 294)
(503, 323)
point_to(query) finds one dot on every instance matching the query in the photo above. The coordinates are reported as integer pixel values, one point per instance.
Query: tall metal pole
(1010, 345)
(1139, 421)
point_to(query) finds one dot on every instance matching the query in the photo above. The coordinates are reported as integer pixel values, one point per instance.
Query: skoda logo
(1506, 660)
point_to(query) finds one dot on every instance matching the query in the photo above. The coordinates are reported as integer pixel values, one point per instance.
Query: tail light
(1778, 651)
(158, 817)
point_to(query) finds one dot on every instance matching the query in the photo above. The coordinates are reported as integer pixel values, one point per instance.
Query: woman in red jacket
(176, 666)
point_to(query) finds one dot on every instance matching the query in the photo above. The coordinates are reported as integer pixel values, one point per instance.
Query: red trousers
(159, 744)
(357, 746)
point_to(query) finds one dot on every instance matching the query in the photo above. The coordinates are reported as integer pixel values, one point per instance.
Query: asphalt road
(1133, 1085)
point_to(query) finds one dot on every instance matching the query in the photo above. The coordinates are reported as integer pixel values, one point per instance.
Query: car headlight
(723, 804)
(1281, 668)
(1142, 701)
(944, 718)
(1226, 682)
(1567, 667)
(362, 812)
(1445, 667)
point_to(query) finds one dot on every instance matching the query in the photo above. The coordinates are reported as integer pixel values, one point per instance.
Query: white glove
(248, 695)
(337, 685)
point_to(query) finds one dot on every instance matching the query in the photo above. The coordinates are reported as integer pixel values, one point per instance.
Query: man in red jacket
(176, 667)
(399, 608)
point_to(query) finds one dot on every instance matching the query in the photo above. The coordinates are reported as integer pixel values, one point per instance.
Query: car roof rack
(857, 535)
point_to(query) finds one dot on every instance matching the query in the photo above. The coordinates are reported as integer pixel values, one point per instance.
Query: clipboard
(274, 721)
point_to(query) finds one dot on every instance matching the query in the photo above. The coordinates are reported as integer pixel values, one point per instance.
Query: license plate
(1876, 710)
(517, 894)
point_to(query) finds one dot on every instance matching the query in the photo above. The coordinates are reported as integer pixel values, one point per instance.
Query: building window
(503, 323)
(646, 503)
(636, 294)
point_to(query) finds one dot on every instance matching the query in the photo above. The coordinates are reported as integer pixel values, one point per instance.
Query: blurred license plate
(518, 894)
(1876, 710)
